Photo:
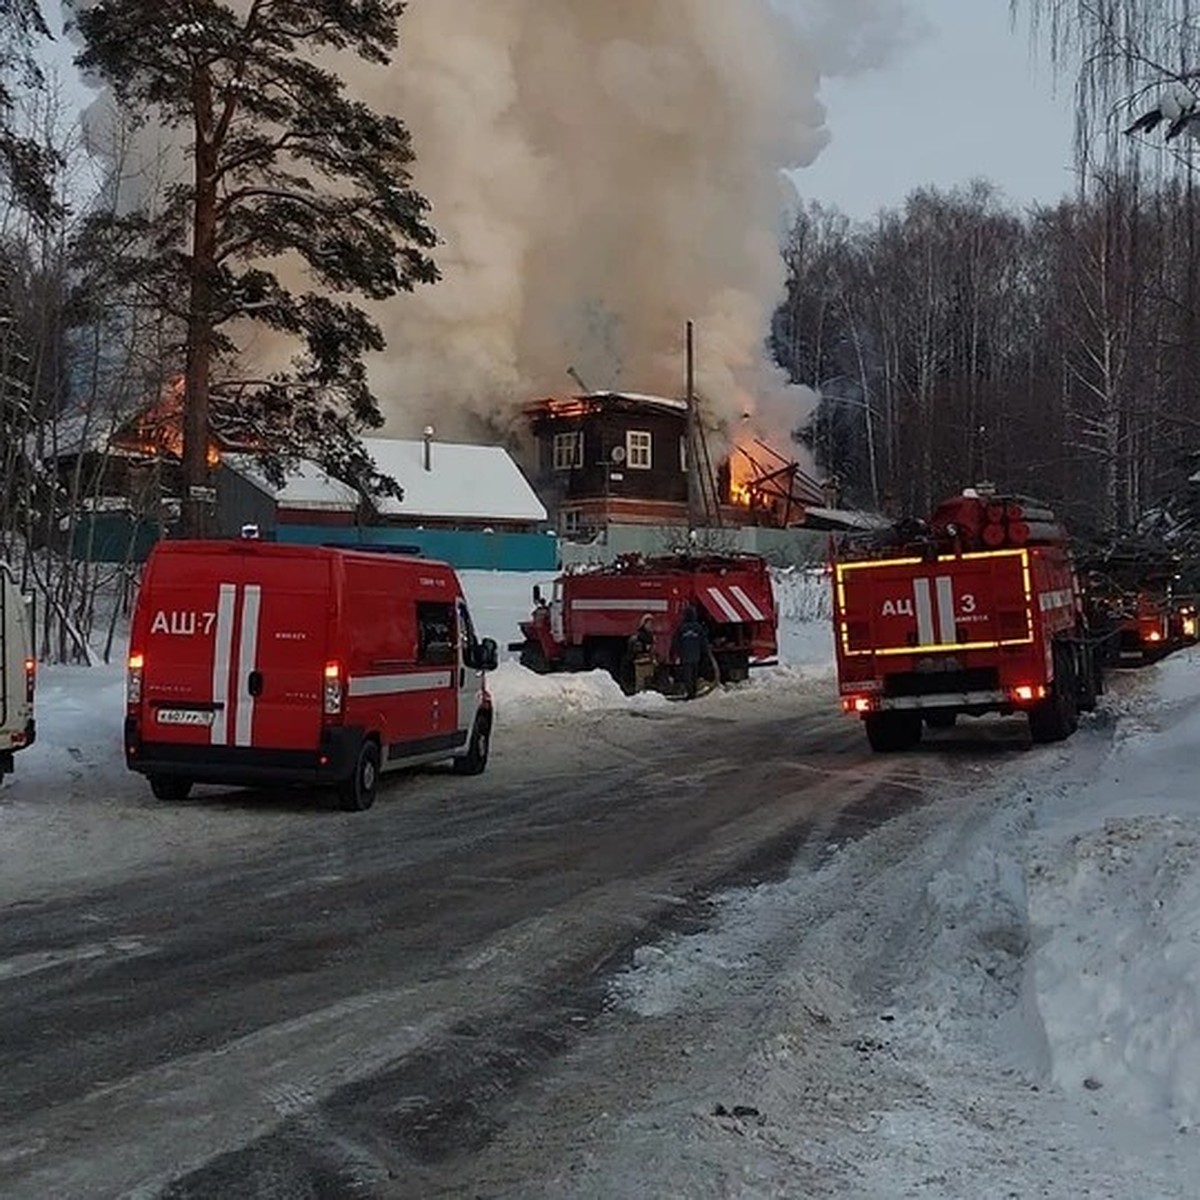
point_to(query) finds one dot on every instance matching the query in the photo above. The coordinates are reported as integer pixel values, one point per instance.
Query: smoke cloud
(600, 172)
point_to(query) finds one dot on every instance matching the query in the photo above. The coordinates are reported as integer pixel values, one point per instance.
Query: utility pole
(692, 441)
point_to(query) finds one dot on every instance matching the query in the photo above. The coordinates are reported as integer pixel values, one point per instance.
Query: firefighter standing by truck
(639, 665)
(690, 648)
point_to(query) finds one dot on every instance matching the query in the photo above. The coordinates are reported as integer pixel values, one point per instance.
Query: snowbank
(994, 995)
(1115, 903)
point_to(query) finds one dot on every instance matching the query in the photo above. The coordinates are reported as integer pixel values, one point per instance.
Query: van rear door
(233, 649)
(12, 651)
(278, 657)
(187, 605)
(7, 673)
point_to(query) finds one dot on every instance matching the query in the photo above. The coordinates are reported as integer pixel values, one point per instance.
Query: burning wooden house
(156, 430)
(611, 457)
(771, 490)
(625, 458)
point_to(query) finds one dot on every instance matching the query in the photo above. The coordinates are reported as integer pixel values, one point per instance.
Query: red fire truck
(977, 610)
(587, 621)
(1132, 594)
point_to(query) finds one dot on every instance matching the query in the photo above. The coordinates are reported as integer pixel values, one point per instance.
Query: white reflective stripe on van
(387, 685)
(222, 655)
(247, 652)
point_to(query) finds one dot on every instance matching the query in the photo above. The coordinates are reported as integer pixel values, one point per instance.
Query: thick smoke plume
(600, 172)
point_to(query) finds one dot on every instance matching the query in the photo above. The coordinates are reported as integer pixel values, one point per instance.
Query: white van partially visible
(17, 670)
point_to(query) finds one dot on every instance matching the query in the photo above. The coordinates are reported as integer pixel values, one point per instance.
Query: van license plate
(184, 716)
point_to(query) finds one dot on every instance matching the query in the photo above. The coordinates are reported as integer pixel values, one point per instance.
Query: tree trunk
(196, 509)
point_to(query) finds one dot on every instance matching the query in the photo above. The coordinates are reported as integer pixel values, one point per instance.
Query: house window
(568, 450)
(570, 522)
(637, 449)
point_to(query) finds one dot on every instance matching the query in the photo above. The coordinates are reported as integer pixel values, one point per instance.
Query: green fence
(107, 537)
(467, 549)
(113, 538)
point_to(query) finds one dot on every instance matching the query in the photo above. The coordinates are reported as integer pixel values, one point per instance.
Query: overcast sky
(968, 99)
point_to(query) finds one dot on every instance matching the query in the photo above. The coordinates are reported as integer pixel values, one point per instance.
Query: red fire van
(257, 663)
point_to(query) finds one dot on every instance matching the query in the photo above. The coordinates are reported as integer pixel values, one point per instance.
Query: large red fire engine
(1133, 598)
(976, 611)
(587, 621)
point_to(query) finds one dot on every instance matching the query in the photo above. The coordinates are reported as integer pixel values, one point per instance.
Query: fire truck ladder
(706, 484)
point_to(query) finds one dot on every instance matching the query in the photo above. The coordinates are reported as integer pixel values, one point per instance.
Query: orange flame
(741, 478)
(158, 429)
(740, 493)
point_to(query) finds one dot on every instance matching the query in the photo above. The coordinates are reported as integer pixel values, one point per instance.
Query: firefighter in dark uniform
(639, 656)
(689, 648)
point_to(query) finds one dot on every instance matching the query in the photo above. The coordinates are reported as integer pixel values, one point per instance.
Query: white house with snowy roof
(467, 504)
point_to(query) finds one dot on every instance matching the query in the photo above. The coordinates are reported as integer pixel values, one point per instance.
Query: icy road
(363, 1002)
(658, 950)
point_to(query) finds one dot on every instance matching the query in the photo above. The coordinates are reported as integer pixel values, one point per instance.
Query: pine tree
(26, 166)
(282, 163)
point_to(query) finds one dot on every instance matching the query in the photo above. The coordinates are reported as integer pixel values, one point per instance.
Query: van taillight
(133, 682)
(30, 677)
(332, 696)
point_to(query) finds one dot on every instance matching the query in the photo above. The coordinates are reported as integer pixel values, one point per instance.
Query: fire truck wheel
(475, 759)
(1091, 680)
(604, 658)
(357, 794)
(170, 787)
(1057, 717)
(1047, 722)
(533, 658)
(889, 732)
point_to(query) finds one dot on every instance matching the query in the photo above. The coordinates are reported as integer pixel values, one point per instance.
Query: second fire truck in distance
(977, 610)
(586, 622)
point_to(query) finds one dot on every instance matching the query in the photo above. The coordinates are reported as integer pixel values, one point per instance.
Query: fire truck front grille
(930, 683)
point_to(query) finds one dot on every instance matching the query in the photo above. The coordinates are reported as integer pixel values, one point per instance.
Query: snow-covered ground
(993, 994)
(73, 812)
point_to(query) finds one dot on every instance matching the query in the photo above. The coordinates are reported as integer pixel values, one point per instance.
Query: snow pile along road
(1115, 897)
(991, 995)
